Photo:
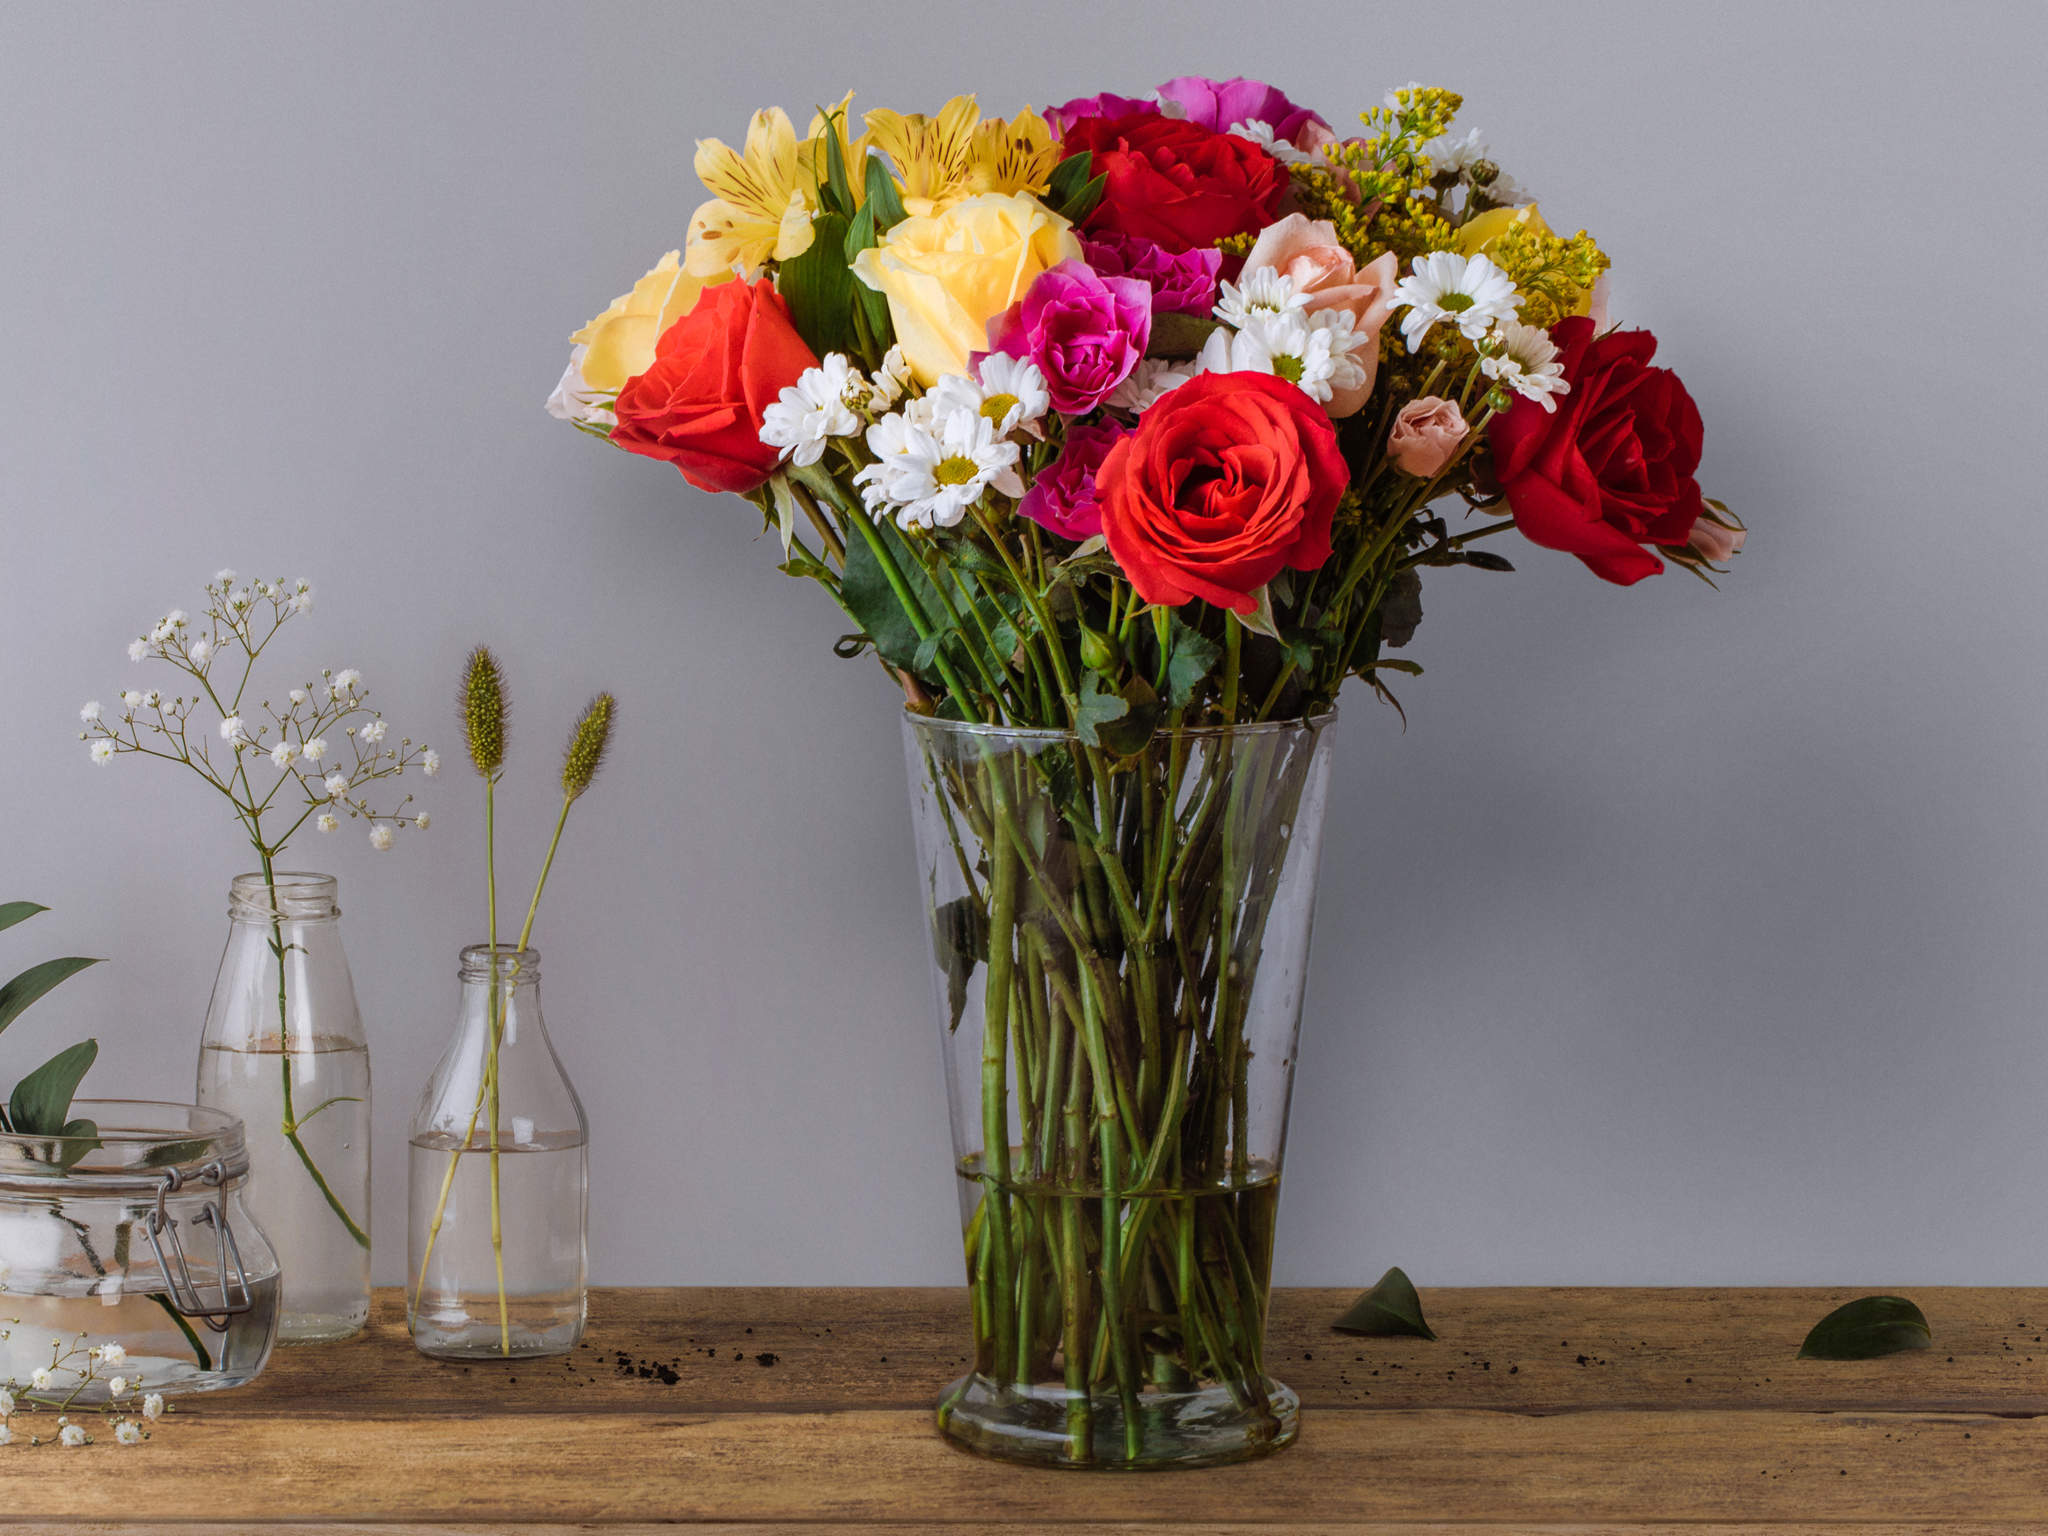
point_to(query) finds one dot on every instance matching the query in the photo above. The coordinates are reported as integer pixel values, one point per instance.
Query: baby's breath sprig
(127, 1409)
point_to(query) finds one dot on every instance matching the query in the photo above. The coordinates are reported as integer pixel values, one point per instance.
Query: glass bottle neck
(285, 896)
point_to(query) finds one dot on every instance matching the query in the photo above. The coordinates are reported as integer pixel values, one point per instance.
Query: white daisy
(1526, 363)
(1469, 291)
(102, 752)
(930, 475)
(812, 411)
(890, 380)
(1152, 378)
(1260, 132)
(382, 837)
(1267, 291)
(1317, 352)
(1010, 391)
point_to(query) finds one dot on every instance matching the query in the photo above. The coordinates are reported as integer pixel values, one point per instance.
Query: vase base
(1047, 1426)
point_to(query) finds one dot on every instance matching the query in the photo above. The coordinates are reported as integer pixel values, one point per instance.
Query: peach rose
(1715, 541)
(1425, 435)
(1307, 251)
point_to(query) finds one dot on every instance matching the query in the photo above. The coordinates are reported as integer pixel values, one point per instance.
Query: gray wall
(1680, 937)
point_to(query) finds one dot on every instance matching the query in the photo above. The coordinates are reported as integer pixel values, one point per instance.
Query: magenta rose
(1102, 104)
(1223, 104)
(1182, 282)
(1084, 331)
(1062, 498)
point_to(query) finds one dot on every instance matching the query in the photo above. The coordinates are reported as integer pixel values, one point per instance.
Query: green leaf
(1867, 1328)
(32, 983)
(1394, 664)
(959, 943)
(1389, 1309)
(1095, 706)
(1260, 620)
(865, 593)
(1193, 655)
(12, 912)
(864, 232)
(1127, 735)
(41, 1102)
(1068, 180)
(836, 195)
(819, 288)
(882, 197)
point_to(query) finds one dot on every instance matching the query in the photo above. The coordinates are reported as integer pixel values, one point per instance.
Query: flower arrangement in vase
(284, 1048)
(1123, 434)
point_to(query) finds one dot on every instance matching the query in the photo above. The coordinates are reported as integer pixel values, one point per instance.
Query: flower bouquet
(1123, 433)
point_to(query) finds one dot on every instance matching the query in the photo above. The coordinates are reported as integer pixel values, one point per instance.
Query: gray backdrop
(1681, 937)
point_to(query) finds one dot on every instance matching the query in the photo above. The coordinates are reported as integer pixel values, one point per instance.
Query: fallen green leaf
(1867, 1328)
(1389, 1309)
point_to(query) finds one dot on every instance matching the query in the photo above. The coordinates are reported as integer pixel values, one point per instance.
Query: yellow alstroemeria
(621, 340)
(763, 196)
(1014, 156)
(934, 156)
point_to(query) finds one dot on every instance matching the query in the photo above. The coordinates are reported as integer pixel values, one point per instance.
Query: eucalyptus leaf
(12, 912)
(41, 1102)
(32, 983)
(1390, 1309)
(1866, 1328)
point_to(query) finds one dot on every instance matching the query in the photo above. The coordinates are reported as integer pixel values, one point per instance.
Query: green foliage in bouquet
(40, 1104)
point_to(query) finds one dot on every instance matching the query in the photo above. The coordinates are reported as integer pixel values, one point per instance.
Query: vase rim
(1060, 733)
(130, 1131)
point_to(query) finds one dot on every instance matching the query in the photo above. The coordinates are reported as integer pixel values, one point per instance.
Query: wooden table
(810, 1410)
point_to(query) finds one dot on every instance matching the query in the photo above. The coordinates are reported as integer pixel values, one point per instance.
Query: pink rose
(1425, 435)
(1713, 541)
(1085, 332)
(1307, 251)
(1063, 497)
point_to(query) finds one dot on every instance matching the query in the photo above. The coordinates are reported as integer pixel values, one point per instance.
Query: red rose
(1176, 183)
(715, 371)
(1226, 479)
(1613, 469)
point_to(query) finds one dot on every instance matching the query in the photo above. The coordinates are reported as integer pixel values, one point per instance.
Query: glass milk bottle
(284, 1053)
(499, 1179)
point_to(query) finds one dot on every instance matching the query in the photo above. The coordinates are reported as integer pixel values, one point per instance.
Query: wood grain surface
(1545, 1411)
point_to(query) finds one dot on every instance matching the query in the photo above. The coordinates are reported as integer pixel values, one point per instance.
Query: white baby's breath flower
(1527, 363)
(128, 1432)
(382, 837)
(336, 785)
(430, 762)
(1468, 291)
(131, 699)
(1264, 291)
(298, 695)
(151, 698)
(90, 712)
(102, 752)
(72, 1435)
(890, 380)
(137, 649)
(1152, 378)
(6, 1435)
(39, 1379)
(327, 822)
(117, 1386)
(153, 1406)
(374, 731)
(111, 1354)
(302, 596)
(422, 821)
(201, 652)
(231, 729)
(344, 682)
(811, 412)
(930, 476)
(6, 1402)
(315, 749)
(283, 753)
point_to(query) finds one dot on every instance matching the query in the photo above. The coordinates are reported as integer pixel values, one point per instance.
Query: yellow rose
(621, 340)
(947, 274)
(1478, 234)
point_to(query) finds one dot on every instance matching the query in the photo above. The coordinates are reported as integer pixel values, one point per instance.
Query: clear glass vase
(137, 1236)
(1119, 945)
(285, 1054)
(497, 1265)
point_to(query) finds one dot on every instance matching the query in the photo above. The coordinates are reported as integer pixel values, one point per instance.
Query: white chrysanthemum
(890, 380)
(374, 731)
(930, 475)
(1314, 352)
(283, 753)
(423, 821)
(812, 411)
(1449, 156)
(1010, 391)
(336, 785)
(382, 837)
(1527, 363)
(201, 652)
(575, 400)
(326, 822)
(231, 729)
(102, 752)
(1152, 378)
(153, 1406)
(128, 1432)
(137, 649)
(1260, 132)
(430, 762)
(40, 1378)
(1266, 291)
(1468, 291)
(72, 1435)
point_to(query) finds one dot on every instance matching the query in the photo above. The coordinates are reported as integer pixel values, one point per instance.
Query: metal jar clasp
(162, 1230)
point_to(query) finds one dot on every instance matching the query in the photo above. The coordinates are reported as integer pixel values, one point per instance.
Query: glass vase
(284, 1053)
(1119, 944)
(130, 1254)
(499, 1179)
